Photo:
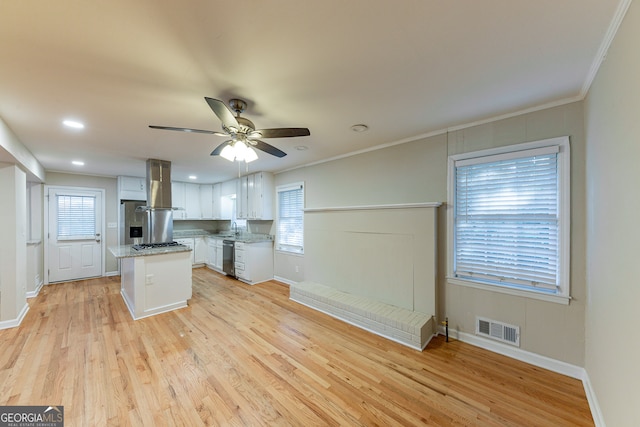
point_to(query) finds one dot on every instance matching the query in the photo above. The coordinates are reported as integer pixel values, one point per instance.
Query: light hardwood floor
(246, 355)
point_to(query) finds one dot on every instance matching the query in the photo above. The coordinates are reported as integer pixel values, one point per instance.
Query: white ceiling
(404, 67)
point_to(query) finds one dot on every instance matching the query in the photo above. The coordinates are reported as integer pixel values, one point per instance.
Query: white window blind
(76, 217)
(506, 229)
(290, 227)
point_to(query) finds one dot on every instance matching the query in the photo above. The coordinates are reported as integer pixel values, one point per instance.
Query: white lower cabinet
(211, 253)
(198, 247)
(200, 250)
(254, 261)
(214, 254)
(219, 254)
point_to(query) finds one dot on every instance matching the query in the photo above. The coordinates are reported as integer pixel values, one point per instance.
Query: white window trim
(564, 189)
(287, 187)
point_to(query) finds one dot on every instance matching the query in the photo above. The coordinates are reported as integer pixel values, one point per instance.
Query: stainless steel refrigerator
(131, 222)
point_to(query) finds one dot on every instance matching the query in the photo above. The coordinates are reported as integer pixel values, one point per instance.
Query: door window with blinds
(290, 221)
(76, 217)
(510, 217)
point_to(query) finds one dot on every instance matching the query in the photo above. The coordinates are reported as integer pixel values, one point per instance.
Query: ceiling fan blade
(219, 148)
(282, 132)
(185, 129)
(267, 148)
(224, 114)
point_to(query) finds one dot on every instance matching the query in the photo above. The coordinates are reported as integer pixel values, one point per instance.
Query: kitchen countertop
(241, 237)
(181, 234)
(126, 251)
(244, 237)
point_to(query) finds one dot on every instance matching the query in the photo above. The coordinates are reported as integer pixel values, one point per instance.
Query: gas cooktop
(143, 246)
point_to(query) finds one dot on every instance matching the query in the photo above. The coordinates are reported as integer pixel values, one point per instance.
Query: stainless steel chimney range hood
(159, 184)
(158, 219)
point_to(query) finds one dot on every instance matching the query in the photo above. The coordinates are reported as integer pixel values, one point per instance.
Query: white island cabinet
(154, 282)
(188, 242)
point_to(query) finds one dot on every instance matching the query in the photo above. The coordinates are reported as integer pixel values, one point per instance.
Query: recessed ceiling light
(301, 147)
(359, 128)
(78, 162)
(73, 124)
(193, 177)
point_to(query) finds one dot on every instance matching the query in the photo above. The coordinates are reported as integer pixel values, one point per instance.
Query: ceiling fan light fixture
(250, 155)
(239, 151)
(228, 153)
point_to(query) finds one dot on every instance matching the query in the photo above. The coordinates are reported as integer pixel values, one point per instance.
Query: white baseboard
(285, 281)
(545, 362)
(34, 293)
(15, 322)
(111, 273)
(596, 413)
(538, 360)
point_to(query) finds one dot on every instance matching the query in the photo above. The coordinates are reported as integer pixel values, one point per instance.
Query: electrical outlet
(297, 269)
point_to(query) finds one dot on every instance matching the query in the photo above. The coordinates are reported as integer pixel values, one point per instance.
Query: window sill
(558, 299)
(285, 252)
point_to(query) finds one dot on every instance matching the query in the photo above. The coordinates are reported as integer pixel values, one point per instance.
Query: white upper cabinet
(185, 197)
(255, 196)
(210, 203)
(178, 200)
(206, 201)
(261, 202)
(192, 201)
(252, 196)
(217, 201)
(132, 188)
(241, 197)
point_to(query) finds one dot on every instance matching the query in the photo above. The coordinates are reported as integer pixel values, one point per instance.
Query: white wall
(10, 143)
(417, 172)
(549, 329)
(35, 266)
(388, 255)
(13, 263)
(612, 117)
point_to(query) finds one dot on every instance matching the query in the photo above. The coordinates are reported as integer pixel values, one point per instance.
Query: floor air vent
(508, 334)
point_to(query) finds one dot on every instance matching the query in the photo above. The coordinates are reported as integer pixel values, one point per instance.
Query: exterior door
(75, 234)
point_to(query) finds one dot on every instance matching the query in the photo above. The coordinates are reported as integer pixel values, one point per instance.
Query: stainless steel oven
(228, 261)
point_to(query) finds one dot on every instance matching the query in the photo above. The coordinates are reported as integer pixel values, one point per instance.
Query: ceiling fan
(243, 133)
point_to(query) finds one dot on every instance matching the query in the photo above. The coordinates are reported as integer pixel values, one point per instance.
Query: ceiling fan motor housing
(246, 125)
(237, 105)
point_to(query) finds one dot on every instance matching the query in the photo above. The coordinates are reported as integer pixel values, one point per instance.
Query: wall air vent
(498, 331)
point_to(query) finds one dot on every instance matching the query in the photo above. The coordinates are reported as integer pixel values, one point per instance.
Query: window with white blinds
(290, 221)
(509, 219)
(76, 217)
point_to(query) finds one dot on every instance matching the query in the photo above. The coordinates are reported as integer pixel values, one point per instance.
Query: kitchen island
(154, 281)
